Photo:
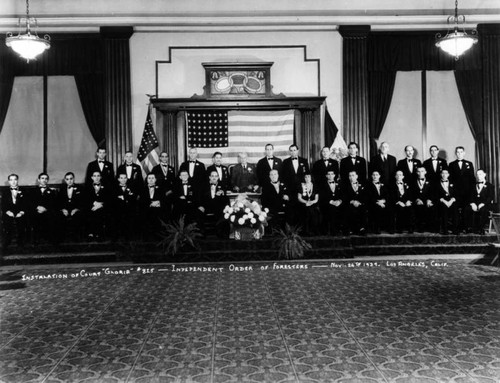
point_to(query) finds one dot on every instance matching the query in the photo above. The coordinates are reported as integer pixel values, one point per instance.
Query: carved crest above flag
(230, 80)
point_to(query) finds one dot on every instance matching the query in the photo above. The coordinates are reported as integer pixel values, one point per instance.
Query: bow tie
(101, 161)
(275, 183)
(331, 182)
(270, 158)
(460, 160)
(377, 183)
(192, 162)
(421, 179)
(70, 187)
(184, 183)
(434, 159)
(43, 187)
(399, 183)
(295, 158)
(445, 181)
(14, 188)
(213, 184)
(164, 165)
(218, 166)
(410, 160)
(480, 183)
(128, 165)
(354, 183)
(97, 184)
(152, 187)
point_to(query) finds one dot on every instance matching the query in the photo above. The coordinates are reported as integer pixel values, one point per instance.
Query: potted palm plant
(177, 236)
(290, 244)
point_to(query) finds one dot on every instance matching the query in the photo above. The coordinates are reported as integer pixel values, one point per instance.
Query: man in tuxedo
(331, 203)
(377, 200)
(463, 176)
(355, 204)
(133, 172)
(244, 175)
(42, 210)
(446, 203)
(222, 171)
(409, 165)
(213, 202)
(324, 165)
(187, 200)
(14, 212)
(266, 164)
(434, 165)
(276, 198)
(152, 202)
(424, 202)
(97, 207)
(480, 202)
(352, 162)
(124, 208)
(293, 170)
(195, 170)
(102, 166)
(165, 179)
(384, 164)
(401, 200)
(70, 204)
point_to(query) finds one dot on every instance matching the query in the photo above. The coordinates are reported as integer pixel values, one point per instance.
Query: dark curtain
(380, 91)
(331, 129)
(76, 55)
(470, 88)
(91, 92)
(7, 61)
(412, 51)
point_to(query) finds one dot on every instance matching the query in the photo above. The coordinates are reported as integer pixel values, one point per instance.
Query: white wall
(290, 74)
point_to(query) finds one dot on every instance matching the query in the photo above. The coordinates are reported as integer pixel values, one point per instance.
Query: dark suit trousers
(447, 214)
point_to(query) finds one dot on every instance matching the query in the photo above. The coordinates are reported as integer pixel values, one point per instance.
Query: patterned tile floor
(327, 322)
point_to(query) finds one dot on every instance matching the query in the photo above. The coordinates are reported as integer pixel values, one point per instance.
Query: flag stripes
(147, 156)
(247, 131)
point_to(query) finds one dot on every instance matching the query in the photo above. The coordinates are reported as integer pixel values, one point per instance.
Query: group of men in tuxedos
(347, 197)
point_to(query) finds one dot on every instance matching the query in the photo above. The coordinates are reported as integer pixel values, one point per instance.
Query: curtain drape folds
(79, 55)
(380, 91)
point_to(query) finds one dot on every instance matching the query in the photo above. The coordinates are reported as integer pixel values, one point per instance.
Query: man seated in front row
(244, 176)
(481, 199)
(213, 202)
(275, 197)
(43, 203)
(331, 204)
(402, 203)
(97, 207)
(379, 209)
(70, 202)
(424, 209)
(355, 200)
(14, 210)
(187, 200)
(446, 197)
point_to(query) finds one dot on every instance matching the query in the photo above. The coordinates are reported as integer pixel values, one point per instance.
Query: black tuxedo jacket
(424, 193)
(192, 198)
(447, 195)
(76, 201)
(263, 169)
(164, 180)
(347, 166)
(146, 199)
(199, 174)
(403, 166)
(103, 195)
(8, 203)
(486, 195)
(320, 169)
(225, 181)
(387, 168)
(274, 200)
(124, 199)
(351, 195)
(135, 181)
(219, 201)
(396, 196)
(326, 194)
(107, 173)
(373, 195)
(435, 175)
(464, 179)
(46, 199)
(288, 175)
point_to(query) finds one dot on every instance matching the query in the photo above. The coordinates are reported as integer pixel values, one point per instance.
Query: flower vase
(248, 233)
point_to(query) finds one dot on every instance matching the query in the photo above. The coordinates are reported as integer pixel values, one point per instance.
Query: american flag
(238, 131)
(148, 151)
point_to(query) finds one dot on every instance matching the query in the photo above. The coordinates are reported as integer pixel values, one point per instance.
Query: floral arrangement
(246, 213)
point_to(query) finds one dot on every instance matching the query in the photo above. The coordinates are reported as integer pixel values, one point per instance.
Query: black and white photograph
(250, 191)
